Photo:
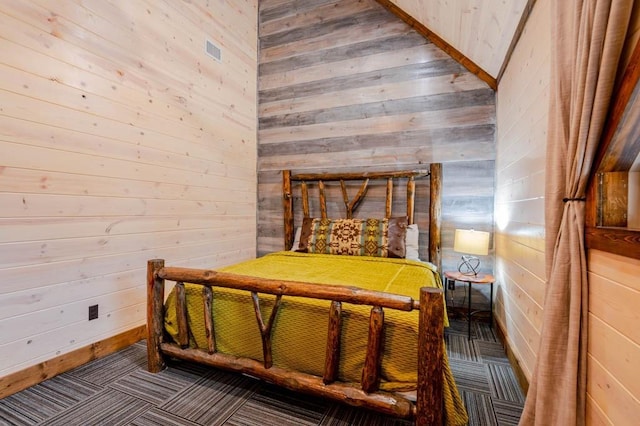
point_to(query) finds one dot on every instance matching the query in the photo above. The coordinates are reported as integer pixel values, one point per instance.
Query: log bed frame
(427, 406)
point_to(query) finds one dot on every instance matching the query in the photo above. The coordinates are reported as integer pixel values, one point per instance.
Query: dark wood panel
(472, 135)
(366, 79)
(268, 13)
(377, 16)
(436, 102)
(397, 156)
(391, 43)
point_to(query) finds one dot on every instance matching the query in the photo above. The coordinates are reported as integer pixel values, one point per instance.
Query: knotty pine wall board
(121, 140)
(346, 85)
(523, 101)
(612, 389)
(155, 66)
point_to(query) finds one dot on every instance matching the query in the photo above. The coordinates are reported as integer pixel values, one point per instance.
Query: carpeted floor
(117, 390)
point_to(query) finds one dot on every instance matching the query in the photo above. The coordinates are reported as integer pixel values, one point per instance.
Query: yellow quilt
(299, 333)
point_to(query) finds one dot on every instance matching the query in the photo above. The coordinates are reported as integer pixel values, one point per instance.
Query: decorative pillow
(354, 237)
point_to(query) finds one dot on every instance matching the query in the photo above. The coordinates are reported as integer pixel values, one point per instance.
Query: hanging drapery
(587, 38)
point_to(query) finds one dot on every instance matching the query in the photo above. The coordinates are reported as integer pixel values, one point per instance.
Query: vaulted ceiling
(482, 30)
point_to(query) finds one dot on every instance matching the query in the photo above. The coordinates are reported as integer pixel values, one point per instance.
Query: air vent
(213, 51)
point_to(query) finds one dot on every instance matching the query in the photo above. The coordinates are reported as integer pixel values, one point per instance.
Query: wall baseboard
(515, 363)
(31, 376)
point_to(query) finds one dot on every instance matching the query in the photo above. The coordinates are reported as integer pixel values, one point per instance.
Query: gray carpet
(117, 390)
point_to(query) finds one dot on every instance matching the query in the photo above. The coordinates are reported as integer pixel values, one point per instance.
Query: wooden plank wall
(345, 85)
(523, 103)
(120, 141)
(613, 375)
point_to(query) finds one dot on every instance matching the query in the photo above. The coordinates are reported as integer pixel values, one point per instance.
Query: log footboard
(426, 410)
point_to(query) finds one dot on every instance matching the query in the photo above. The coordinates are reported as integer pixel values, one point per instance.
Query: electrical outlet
(93, 312)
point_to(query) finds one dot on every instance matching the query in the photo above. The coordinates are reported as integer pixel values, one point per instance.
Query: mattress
(299, 333)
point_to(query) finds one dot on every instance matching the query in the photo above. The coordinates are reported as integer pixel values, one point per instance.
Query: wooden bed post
(287, 203)
(435, 214)
(430, 399)
(155, 315)
(411, 199)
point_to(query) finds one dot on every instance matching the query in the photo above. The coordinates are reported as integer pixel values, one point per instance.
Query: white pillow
(296, 239)
(411, 242)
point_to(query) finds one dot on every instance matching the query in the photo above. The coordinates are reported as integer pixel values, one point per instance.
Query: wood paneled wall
(346, 85)
(614, 341)
(613, 371)
(522, 110)
(613, 374)
(120, 141)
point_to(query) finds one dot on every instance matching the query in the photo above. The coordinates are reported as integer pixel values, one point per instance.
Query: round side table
(483, 279)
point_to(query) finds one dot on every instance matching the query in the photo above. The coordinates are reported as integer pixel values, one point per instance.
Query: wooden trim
(516, 38)
(621, 241)
(287, 205)
(334, 333)
(373, 358)
(349, 205)
(31, 376)
(323, 200)
(429, 392)
(265, 329)
(614, 158)
(207, 301)
(339, 293)
(181, 315)
(435, 215)
(411, 199)
(513, 360)
(327, 177)
(441, 43)
(384, 402)
(155, 315)
(389, 199)
(305, 199)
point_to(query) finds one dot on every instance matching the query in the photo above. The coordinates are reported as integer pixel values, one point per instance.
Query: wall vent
(213, 51)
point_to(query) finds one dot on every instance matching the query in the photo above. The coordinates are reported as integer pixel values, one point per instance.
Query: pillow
(354, 237)
(296, 239)
(413, 235)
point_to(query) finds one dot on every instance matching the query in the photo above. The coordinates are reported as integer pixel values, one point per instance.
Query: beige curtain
(587, 38)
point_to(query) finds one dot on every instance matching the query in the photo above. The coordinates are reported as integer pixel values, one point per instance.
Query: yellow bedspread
(299, 333)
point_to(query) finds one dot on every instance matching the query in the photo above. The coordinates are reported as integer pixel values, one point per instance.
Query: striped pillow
(354, 237)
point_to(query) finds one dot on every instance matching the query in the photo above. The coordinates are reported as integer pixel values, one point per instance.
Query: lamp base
(470, 265)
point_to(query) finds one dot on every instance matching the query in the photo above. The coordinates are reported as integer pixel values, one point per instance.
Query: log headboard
(351, 204)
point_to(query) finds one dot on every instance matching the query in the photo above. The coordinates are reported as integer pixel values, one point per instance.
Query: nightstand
(482, 279)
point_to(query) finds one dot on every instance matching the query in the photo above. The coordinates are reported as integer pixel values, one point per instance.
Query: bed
(376, 310)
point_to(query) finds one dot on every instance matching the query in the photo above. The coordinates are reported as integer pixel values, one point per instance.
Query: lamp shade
(471, 242)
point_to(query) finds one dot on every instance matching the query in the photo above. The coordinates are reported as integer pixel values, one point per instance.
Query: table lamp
(470, 242)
